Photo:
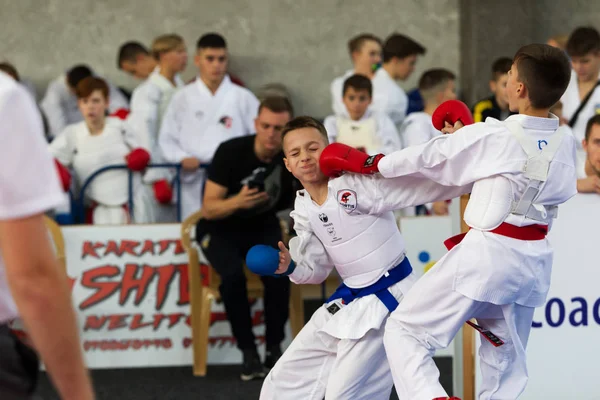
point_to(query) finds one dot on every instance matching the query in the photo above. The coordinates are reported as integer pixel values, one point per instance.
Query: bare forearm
(219, 208)
(45, 307)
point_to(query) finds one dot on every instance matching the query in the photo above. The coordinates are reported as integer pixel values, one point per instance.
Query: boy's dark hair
(595, 120)
(77, 74)
(10, 70)
(500, 67)
(582, 41)
(358, 82)
(129, 52)
(357, 42)
(435, 77)
(277, 104)
(400, 46)
(304, 122)
(212, 41)
(545, 71)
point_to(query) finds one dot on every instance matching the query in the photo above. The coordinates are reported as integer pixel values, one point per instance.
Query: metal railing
(176, 182)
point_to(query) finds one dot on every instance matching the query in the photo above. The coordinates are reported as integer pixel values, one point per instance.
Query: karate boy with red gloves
(347, 224)
(94, 143)
(518, 172)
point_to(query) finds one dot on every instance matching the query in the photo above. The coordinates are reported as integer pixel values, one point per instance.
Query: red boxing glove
(63, 174)
(163, 192)
(121, 113)
(338, 158)
(138, 159)
(451, 111)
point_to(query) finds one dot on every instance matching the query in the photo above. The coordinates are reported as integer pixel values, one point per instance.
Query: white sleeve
(413, 133)
(117, 99)
(132, 137)
(330, 124)
(337, 86)
(312, 261)
(170, 130)
(29, 183)
(250, 104)
(63, 147)
(388, 134)
(376, 194)
(474, 152)
(51, 105)
(144, 114)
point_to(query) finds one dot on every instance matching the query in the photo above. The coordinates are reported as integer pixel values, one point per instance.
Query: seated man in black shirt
(247, 185)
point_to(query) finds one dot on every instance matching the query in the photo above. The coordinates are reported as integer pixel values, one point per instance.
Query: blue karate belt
(379, 288)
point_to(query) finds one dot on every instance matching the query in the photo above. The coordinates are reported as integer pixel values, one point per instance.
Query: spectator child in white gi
(358, 126)
(60, 104)
(399, 59)
(201, 116)
(148, 105)
(365, 52)
(436, 86)
(134, 59)
(347, 224)
(97, 142)
(581, 100)
(518, 172)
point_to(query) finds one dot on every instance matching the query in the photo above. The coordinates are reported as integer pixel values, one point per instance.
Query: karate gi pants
(429, 317)
(317, 366)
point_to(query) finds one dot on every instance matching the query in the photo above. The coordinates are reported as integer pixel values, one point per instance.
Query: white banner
(130, 289)
(563, 345)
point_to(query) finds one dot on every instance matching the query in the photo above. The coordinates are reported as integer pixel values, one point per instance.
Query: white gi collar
(536, 123)
(226, 84)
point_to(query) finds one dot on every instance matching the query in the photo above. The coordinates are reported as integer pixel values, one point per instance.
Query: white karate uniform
(87, 153)
(196, 123)
(417, 128)
(375, 132)
(341, 356)
(149, 103)
(28, 181)
(496, 279)
(60, 105)
(337, 95)
(388, 97)
(571, 102)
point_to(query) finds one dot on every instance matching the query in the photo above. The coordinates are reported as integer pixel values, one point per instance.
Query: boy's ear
(287, 164)
(493, 85)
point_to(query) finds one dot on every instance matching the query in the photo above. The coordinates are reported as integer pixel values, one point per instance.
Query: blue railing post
(78, 207)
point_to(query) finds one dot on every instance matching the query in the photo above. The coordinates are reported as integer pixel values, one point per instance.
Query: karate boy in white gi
(581, 100)
(149, 103)
(517, 172)
(359, 127)
(347, 224)
(201, 116)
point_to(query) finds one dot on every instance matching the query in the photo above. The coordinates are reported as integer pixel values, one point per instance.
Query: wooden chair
(201, 297)
(58, 241)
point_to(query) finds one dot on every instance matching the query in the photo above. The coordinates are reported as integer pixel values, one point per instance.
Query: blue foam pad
(262, 259)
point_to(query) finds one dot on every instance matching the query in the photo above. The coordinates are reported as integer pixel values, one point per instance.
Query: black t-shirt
(235, 164)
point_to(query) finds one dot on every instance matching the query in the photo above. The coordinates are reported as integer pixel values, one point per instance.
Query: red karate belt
(528, 232)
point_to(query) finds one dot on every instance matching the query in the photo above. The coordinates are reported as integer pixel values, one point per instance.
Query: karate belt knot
(379, 288)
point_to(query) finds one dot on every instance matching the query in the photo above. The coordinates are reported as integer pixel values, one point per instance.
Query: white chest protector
(493, 200)
(358, 133)
(93, 152)
(362, 247)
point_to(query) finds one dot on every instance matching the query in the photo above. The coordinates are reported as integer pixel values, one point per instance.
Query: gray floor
(220, 383)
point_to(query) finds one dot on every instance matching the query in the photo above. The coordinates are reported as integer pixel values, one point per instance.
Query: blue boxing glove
(264, 260)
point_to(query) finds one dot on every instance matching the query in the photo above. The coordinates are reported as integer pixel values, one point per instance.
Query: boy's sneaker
(271, 356)
(252, 368)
